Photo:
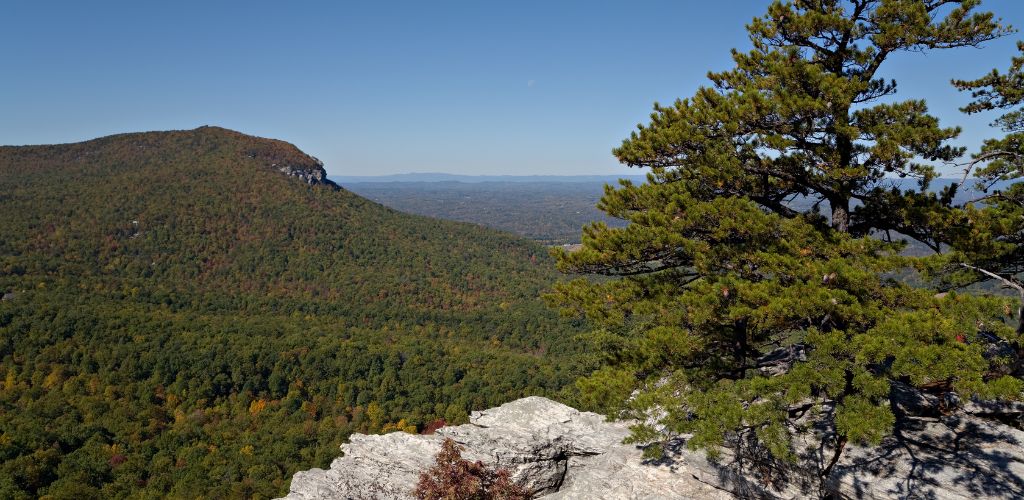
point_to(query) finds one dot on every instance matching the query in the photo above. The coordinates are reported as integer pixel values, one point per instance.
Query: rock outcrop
(553, 450)
(310, 174)
(557, 452)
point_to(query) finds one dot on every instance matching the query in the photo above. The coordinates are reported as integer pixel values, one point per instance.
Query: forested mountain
(201, 313)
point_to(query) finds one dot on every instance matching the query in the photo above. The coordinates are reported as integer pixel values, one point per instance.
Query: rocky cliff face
(311, 174)
(278, 155)
(558, 452)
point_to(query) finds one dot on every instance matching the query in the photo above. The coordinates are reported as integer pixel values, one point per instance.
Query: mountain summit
(201, 313)
(208, 209)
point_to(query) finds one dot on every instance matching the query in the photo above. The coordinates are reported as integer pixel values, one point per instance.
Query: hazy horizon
(372, 89)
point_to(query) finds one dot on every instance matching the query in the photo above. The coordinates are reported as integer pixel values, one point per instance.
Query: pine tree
(747, 295)
(990, 231)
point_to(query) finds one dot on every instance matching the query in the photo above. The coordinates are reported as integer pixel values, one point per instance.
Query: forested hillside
(181, 318)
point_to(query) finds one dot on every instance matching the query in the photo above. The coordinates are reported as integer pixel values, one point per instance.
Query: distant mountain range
(414, 177)
(441, 177)
(550, 209)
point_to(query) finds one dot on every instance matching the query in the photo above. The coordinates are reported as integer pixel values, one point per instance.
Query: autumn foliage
(225, 325)
(455, 478)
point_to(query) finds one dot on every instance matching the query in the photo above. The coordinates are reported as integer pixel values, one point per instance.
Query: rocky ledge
(557, 452)
(310, 174)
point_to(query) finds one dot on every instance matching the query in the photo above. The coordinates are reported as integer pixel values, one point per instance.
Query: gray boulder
(559, 453)
(551, 449)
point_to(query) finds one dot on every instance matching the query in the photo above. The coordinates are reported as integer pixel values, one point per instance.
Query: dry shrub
(455, 478)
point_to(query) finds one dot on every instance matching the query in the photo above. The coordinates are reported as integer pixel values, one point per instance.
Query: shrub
(455, 478)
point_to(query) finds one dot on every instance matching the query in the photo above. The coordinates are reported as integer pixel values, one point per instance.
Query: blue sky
(546, 87)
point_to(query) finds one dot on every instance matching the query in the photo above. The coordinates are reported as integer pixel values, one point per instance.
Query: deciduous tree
(455, 478)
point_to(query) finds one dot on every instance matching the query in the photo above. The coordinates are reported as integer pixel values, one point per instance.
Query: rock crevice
(559, 453)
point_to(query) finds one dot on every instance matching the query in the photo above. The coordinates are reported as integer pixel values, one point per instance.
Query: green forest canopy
(182, 319)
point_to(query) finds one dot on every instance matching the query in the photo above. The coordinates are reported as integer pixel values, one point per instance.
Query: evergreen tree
(989, 230)
(747, 296)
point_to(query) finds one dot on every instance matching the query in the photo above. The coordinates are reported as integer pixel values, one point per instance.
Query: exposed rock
(551, 449)
(310, 174)
(955, 457)
(557, 452)
(284, 158)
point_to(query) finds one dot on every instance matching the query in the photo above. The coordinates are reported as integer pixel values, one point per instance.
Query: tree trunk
(840, 437)
(840, 445)
(1020, 315)
(840, 199)
(741, 347)
(840, 214)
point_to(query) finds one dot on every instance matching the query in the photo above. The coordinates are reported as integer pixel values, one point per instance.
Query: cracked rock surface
(552, 449)
(557, 452)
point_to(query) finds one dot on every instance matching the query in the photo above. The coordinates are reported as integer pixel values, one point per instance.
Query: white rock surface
(560, 453)
(553, 450)
(950, 458)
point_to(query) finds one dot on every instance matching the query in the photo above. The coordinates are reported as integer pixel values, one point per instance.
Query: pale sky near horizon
(370, 88)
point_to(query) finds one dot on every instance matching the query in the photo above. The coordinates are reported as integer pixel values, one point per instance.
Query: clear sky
(474, 87)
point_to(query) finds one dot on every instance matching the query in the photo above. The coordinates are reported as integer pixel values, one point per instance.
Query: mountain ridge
(276, 154)
(188, 320)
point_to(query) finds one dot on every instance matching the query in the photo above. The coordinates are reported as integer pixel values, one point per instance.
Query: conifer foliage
(990, 230)
(750, 296)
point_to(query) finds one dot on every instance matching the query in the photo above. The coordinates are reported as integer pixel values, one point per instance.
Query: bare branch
(1008, 282)
(991, 155)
